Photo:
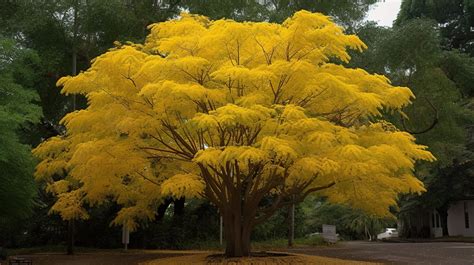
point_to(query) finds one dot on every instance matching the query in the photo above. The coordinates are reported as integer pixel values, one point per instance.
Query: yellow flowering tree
(251, 116)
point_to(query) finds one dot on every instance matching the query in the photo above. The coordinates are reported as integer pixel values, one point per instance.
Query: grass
(281, 243)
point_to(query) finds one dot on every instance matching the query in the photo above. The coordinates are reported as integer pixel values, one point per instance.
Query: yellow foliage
(205, 108)
(291, 258)
(182, 185)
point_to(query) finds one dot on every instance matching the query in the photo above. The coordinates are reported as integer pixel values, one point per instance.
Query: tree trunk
(70, 241)
(179, 206)
(74, 48)
(162, 209)
(237, 232)
(291, 227)
(70, 230)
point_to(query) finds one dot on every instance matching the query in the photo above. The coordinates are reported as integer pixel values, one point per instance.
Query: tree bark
(75, 33)
(237, 237)
(291, 227)
(238, 229)
(179, 206)
(70, 241)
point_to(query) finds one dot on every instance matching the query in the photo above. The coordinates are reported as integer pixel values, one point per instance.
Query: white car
(389, 233)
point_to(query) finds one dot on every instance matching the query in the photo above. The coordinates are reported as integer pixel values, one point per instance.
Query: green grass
(283, 243)
(260, 245)
(311, 241)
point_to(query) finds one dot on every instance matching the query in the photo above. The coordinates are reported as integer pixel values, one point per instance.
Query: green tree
(347, 13)
(67, 35)
(17, 111)
(350, 223)
(412, 55)
(454, 17)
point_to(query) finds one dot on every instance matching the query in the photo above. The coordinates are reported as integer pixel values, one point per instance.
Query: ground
(398, 253)
(295, 259)
(114, 257)
(451, 253)
(173, 258)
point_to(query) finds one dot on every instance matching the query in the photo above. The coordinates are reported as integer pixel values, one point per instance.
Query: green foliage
(428, 51)
(17, 110)
(58, 29)
(236, 10)
(445, 185)
(459, 67)
(277, 226)
(455, 18)
(350, 223)
(345, 12)
(411, 55)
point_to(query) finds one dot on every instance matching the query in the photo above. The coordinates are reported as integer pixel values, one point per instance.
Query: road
(398, 253)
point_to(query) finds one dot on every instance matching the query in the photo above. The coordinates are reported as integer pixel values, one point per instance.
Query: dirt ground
(296, 259)
(357, 252)
(172, 258)
(102, 258)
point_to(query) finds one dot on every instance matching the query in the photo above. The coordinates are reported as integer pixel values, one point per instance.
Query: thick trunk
(237, 234)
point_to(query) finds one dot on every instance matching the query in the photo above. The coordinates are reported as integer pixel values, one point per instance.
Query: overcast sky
(385, 12)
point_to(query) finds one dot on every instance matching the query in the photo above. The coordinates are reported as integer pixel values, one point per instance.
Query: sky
(384, 12)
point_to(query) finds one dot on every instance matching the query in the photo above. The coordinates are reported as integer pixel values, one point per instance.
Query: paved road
(398, 253)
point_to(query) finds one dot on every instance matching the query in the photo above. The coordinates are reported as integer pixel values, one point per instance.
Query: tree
(251, 116)
(351, 224)
(411, 54)
(345, 12)
(17, 111)
(67, 34)
(455, 18)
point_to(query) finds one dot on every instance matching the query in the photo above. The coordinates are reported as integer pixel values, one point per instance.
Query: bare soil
(101, 258)
(160, 257)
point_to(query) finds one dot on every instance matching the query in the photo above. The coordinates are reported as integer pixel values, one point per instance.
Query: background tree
(351, 224)
(17, 112)
(455, 19)
(412, 54)
(251, 116)
(349, 14)
(66, 36)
